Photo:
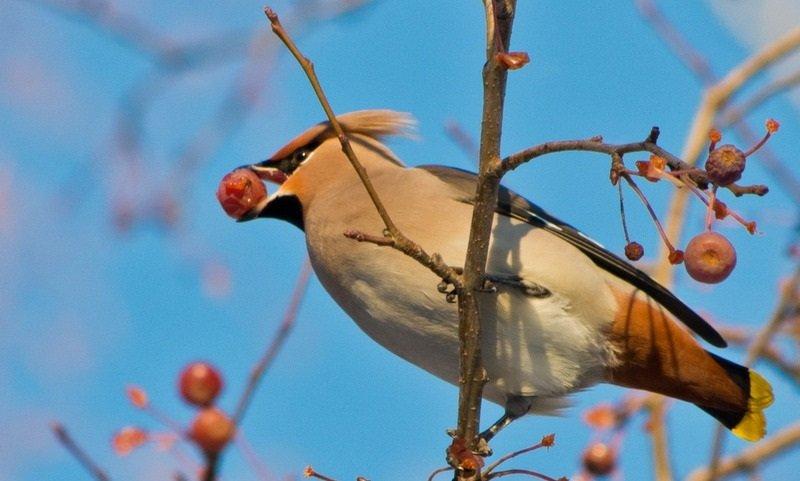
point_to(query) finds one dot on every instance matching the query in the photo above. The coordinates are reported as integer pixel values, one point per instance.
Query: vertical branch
(277, 342)
(499, 21)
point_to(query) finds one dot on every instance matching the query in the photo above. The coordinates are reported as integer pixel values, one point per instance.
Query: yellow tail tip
(753, 425)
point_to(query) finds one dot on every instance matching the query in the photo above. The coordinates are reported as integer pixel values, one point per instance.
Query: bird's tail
(750, 423)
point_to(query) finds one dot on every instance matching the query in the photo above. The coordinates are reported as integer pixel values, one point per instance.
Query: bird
(564, 314)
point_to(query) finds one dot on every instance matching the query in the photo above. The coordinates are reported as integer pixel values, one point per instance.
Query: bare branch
(546, 441)
(591, 145)
(277, 343)
(434, 262)
(310, 473)
(523, 472)
(401, 242)
(756, 349)
(439, 471)
(787, 438)
(461, 138)
(771, 353)
(78, 453)
(499, 23)
(736, 113)
(682, 49)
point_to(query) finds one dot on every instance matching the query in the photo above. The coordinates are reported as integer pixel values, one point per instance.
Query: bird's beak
(268, 170)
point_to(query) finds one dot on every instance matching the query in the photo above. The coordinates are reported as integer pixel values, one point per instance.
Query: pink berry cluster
(211, 429)
(709, 257)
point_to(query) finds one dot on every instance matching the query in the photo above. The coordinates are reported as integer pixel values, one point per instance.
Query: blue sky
(86, 309)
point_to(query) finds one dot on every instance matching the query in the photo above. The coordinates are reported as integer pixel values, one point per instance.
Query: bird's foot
(446, 287)
(482, 447)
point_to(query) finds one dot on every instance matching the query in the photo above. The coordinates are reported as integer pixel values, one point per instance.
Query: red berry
(710, 258)
(200, 383)
(675, 257)
(634, 251)
(240, 191)
(212, 429)
(599, 459)
(725, 165)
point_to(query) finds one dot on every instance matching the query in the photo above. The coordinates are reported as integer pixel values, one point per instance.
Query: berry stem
(652, 212)
(712, 198)
(758, 145)
(622, 214)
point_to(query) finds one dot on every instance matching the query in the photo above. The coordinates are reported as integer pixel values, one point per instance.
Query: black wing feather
(516, 206)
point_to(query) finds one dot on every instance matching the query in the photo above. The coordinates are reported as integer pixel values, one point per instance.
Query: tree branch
(736, 113)
(499, 22)
(400, 241)
(592, 145)
(716, 97)
(750, 458)
(277, 343)
(756, 349)
(91, 467)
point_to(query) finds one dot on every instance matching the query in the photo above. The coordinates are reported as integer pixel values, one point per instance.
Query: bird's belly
(531, 346)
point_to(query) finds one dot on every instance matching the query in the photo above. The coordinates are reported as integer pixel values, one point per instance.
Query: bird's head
(314, 160)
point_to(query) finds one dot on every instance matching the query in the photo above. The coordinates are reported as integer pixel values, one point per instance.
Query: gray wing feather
(515, 206)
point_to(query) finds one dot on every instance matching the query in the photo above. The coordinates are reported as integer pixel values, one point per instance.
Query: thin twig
(278, 341)
(401, 242)
(771, 353)
(545, 442)
(133, 33)
(780, 85)
(524, 472)
(255, 462)
(461, 138)
(680, 47)
(756, 349)
(310, 473)
(785, 439)
(439, 471)
(590, 145)
(91, 467)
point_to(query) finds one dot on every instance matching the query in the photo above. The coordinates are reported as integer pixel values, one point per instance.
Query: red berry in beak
(239, 192)
(710, 258)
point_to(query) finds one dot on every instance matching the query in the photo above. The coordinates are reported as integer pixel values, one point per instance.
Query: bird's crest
(372, 123)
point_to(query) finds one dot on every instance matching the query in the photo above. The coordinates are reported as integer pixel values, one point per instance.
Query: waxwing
(566, 313)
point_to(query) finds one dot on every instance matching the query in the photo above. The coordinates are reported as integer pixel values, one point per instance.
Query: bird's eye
(301, 155)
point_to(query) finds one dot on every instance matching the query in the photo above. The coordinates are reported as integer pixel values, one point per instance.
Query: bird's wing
(513, 205)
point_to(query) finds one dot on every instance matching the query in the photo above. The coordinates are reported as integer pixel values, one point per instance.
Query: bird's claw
(488, 286)
(482, 447)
